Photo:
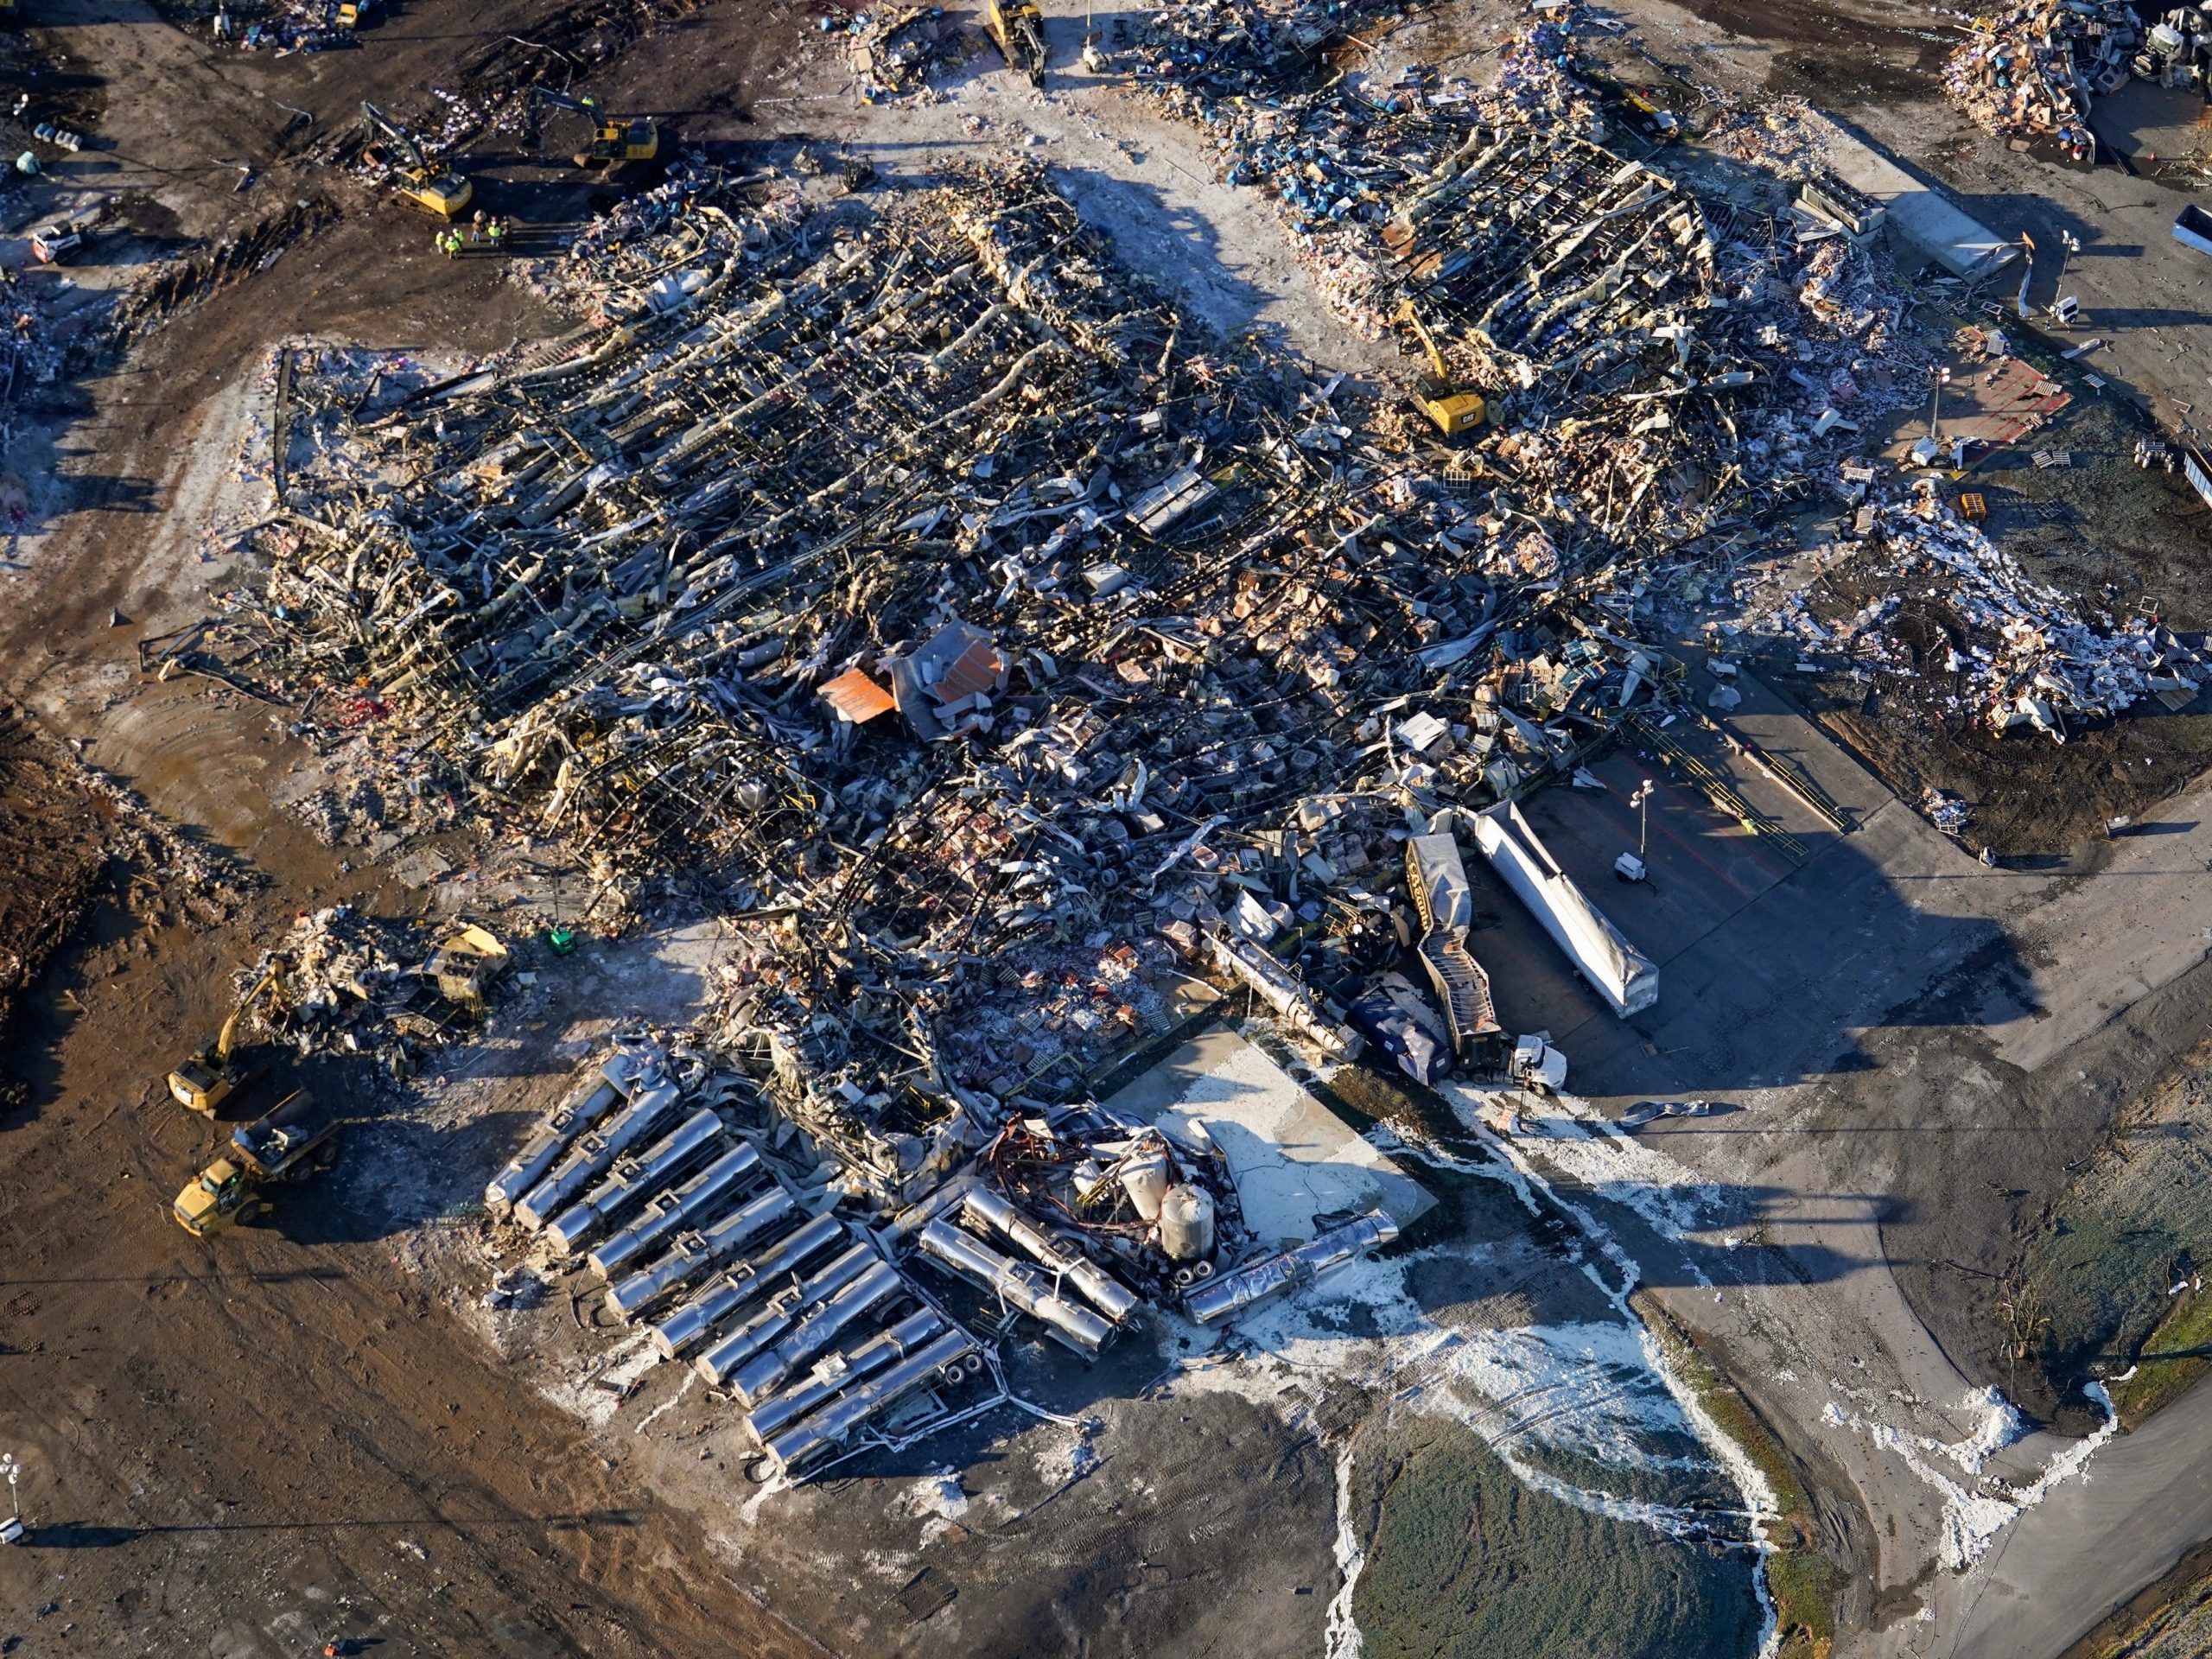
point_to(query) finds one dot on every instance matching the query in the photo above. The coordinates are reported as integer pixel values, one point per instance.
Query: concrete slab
(1921, 215)
(1293, 1159)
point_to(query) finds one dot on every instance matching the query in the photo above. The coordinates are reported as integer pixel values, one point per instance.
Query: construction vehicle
(1453, 408)
(435, 189)
(1019, 28)
(293, 1140)
(207, 1079)
(452, 985)
(616, 141)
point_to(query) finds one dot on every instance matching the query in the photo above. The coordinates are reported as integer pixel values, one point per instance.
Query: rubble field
(735, 740)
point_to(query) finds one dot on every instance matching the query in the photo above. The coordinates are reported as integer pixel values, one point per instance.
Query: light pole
(1630, 867)
(2063, 306)
(11, 1529)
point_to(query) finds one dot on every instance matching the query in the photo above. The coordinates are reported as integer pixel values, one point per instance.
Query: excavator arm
(440, 189)
(615, 140)
(1454, 411)
(228, 1036)
(1407, 314)
(411, 154)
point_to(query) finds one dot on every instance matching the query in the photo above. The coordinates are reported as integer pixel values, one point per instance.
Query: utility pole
(2064, 306)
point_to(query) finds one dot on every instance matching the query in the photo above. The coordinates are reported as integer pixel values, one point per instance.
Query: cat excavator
(207, 1079)
(1453, 408)
(616, 141)
(435, 189)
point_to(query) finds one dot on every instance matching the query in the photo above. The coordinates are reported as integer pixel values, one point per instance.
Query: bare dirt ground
(274, 1444)
(48, 863)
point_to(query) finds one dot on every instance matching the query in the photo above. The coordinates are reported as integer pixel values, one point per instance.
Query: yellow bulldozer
(1453, 408)
(204, 1082)
(436, 189)
(1019, 28)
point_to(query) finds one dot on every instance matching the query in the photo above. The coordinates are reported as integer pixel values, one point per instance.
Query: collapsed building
(992, 652)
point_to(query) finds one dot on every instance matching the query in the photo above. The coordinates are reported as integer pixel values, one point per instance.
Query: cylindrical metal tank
(812, 1331)
(595, 1153)
(591, 1100)
(1144, 1178)
(1186, 1223)
(693, 1254)
(631, 1179)
(697, 1200)
(1016, 1282)
(1239, 1290)
(1000, 1213)
(769, 1324)
(864, 1361)
(731, 1292)
(827, 1428)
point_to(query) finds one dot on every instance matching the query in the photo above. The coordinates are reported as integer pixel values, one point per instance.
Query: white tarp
(1624, 975)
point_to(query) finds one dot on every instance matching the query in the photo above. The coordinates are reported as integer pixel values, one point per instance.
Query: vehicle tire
(251, 1211)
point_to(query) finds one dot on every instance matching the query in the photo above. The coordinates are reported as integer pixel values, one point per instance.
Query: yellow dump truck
(292, 1141)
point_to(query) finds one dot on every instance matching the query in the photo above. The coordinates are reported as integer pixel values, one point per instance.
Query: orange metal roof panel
(856, 697)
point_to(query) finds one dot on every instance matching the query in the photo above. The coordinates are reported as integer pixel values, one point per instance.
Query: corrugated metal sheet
(856, 697)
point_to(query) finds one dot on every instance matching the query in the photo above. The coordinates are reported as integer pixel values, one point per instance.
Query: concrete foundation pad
(1293, 1159)
(1920, 215)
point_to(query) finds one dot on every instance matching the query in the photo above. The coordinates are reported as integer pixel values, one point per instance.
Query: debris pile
(1159, 1209)
(344, 982)
(2031, 69)
(894, 49)
(1655, 363)
(1222, 49)
(1925, 604)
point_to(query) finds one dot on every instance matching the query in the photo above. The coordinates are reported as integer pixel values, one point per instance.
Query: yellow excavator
(436, 189)
(207, 1079)
(1454, 409)
(616, 141)
(1019, 28)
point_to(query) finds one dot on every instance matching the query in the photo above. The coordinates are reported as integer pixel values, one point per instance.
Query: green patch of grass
(2176, 1353)
(1465, 1562)
(1802, 1581)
